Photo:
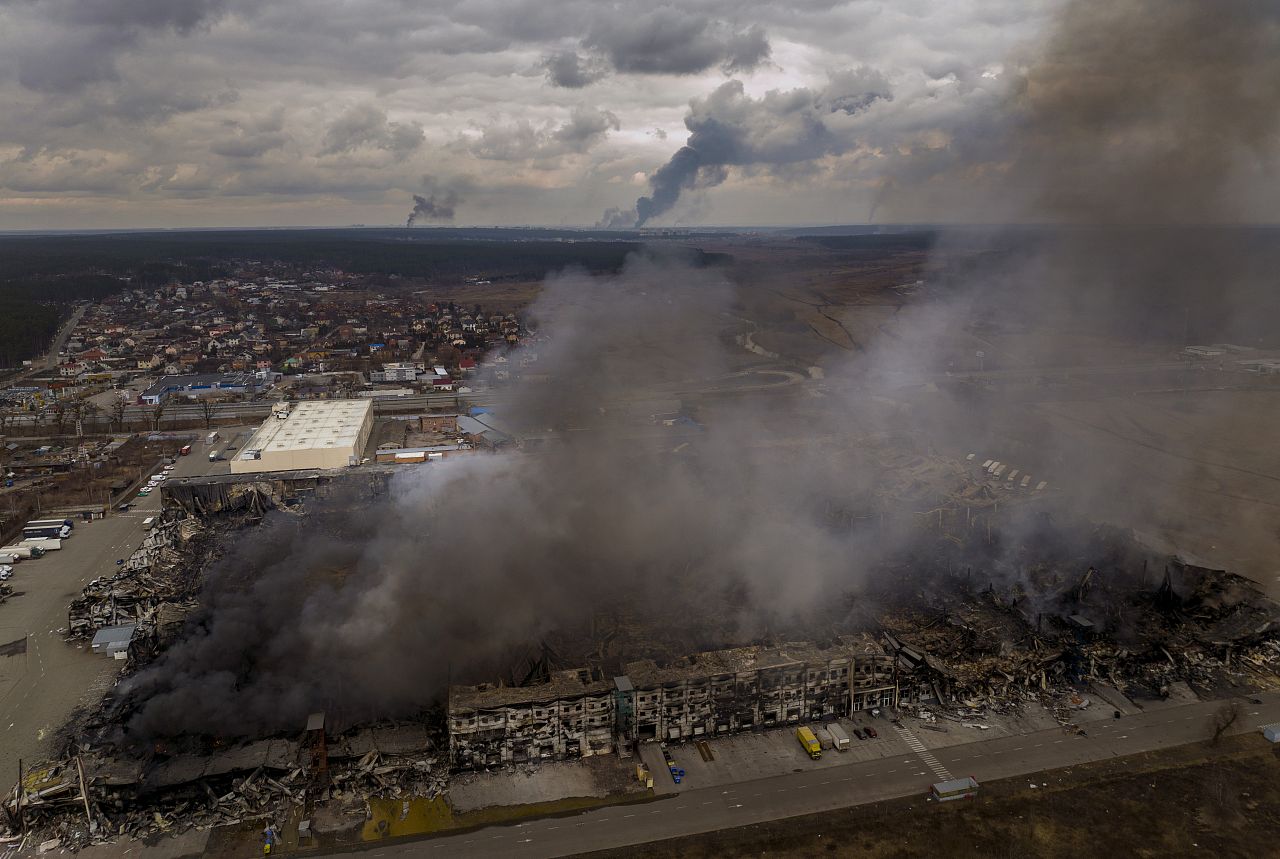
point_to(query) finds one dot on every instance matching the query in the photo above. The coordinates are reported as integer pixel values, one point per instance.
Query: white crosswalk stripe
(913, 743)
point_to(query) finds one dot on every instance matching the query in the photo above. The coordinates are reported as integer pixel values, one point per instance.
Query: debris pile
(997, 647)
(155, 585)
(104, 793)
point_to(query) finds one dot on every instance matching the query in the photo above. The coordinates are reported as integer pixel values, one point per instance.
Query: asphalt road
(806, 792)
(50, 358)
(40, 689)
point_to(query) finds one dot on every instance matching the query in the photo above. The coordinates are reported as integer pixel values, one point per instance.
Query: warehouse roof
(313, 424)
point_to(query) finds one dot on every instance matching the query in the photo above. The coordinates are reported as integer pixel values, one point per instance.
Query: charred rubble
(972, 626)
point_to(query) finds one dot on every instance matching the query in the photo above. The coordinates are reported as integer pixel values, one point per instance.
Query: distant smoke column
(437, 207)
(667, 182)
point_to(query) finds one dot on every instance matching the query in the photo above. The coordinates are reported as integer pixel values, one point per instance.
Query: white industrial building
(313, 434)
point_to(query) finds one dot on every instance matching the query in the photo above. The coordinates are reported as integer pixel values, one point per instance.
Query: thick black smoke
(1135, 113)
(438, 206)
(717, 534)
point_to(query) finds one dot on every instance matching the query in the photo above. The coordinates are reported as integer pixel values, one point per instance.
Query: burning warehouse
(576, 714)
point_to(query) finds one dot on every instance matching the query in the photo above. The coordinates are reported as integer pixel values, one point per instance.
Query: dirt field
(1190, 800)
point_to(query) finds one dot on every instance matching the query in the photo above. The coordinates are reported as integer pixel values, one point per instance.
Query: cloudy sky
(229, 112)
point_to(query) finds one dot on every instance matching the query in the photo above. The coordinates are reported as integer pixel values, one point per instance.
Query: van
(148, 523)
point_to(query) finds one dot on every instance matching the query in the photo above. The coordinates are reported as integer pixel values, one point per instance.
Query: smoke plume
(1135, 113)
(707, 535)
(1127, 156)
(731, 129)
(437, 206)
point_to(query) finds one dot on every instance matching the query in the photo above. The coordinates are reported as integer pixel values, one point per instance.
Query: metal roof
(313, 424)
(113, 637)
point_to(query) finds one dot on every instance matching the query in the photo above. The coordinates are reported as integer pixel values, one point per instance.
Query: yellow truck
(809, 742)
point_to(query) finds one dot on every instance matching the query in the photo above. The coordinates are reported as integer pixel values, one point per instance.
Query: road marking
(913, 742)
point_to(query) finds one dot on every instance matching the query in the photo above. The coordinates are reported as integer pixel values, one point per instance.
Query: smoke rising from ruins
(1135, 115)
(472, 558)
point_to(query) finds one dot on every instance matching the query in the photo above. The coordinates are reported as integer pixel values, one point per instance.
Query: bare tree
(157, 412)
(1223, 718)
(59, 410)
(89, 411)
(207, 409)
(117, 413)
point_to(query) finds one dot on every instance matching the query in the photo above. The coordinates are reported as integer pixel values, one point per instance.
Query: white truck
(26, 552)
(49, 544)
(8, 560)
(839, 739)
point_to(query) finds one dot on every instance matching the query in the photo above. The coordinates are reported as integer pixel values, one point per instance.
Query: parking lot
(746, 757)
(41, 687)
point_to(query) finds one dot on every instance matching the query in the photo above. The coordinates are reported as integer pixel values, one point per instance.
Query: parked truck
(839, 739)
(26, 552)
(809, 742)
(8, 560)
(48, 544)
(37, 528)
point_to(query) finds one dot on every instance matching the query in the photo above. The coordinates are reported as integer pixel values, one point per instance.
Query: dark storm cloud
(570, 70)
(181, 15)
(158, 89)
(669, 40)
(83, 40)
(367, 126)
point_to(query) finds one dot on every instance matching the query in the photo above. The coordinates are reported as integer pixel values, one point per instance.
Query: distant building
(394, 373)
(315, 434)
(200, 384)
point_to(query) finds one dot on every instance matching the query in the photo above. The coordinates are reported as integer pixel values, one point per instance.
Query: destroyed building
(576, 714)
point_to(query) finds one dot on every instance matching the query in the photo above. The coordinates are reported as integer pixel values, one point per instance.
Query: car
(5, 575)
(857, 732)
(871, 732)
(144, 492)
